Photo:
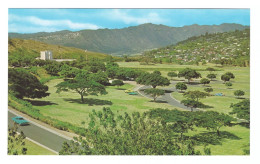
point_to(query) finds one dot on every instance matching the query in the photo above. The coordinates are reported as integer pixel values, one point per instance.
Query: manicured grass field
(66, 106)
(34, 149)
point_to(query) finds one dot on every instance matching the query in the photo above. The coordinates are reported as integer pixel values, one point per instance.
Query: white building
(46, 55)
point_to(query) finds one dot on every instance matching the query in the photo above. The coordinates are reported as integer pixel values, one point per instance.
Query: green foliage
(204, 81)
(154, 92)
(117, 83)
(135, 134)
(210, 69)
(16, 142)
(152, 79)
(225, 78)
(68, 71)
(157, 72)
(195, 95)
(191, 103)
(53, 68)
(231, 75)
(181, 86)
(211, 76)
(241, 109)
(212, 120)
(208, 90)
(23, 84)
(228, 84)
(189, 73)
(83, 84)
(172, 74)
(239, 93)
(94, 65)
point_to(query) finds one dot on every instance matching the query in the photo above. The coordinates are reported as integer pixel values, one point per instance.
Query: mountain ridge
(129, 40)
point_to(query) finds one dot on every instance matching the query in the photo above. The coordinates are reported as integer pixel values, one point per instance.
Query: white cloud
(151, 17)
(54, 24)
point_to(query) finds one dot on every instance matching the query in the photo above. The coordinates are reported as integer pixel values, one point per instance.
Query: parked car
(133, 93)
(128, 91)
(19, 120)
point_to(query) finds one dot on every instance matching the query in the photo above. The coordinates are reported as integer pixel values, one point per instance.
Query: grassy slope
(58, 51)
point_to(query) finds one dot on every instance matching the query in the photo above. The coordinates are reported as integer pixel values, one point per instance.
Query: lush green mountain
(33, 48)
(223, 48)
(129, 40)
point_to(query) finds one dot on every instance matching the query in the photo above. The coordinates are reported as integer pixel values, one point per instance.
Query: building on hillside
(46, 55)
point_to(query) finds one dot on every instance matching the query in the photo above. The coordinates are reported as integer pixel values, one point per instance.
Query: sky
(50, 20)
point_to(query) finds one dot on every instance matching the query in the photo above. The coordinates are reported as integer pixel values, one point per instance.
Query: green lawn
(66, 106)
(34, 149)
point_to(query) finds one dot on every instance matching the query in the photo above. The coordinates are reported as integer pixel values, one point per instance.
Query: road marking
(52, 131)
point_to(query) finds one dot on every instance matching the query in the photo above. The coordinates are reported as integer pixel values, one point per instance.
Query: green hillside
(230, 48)
(131, 40)
(33, 48)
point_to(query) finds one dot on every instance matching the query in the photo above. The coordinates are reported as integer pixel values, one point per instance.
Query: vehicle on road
(132, 93)
(20, 120)
(128, 91)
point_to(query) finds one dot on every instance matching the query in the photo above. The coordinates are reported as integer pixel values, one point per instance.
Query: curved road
(41, 135)
(166, 97)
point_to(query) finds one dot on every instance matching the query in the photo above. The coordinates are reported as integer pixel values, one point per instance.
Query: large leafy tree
(189, 73)
(204, 81)
(212, 120)
(154, 92)
(83, 84)
(172, 74)
(181, 86)
(195, 95)
(152, 79)
(241, 109)
(23, 84)
(239, 93)
(135, 134)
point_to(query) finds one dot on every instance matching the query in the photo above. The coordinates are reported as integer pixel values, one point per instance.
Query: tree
(210, 69)
(23, 84)
(172, 74)
(204, 81)
(212, 120)
(52, 68)
(117, 83)
(16, 142)
(191, 103)
(241, 109)
(157, 72)
(208, 90)
(211, 76)
(225, 78)
(231, 75)
(94, 65)
(100, 77)
(181, 86)
(152, 79)
(189, 73)
(83, 84)
(68, 71)
(195, 95)
(228, 84)
(127, 134)
(239, 93)
(154, 92)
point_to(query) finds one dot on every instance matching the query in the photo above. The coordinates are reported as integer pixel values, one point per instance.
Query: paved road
(167, 98)
(39, 134)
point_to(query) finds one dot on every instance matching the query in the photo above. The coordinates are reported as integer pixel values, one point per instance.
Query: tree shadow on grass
(89, 101)
(212, 137)
(159, 101)
(40, 103)
(119, 88)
